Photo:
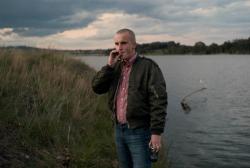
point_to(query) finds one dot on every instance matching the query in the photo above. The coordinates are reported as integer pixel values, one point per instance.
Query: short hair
(130, 32)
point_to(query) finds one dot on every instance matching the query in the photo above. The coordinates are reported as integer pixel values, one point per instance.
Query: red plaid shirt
(122, 93)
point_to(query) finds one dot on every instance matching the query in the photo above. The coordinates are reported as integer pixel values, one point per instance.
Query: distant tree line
(238, 46)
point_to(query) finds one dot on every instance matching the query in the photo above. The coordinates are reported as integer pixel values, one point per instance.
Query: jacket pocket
(137, 102)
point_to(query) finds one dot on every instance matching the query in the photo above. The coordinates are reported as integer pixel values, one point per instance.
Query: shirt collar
(130, 61)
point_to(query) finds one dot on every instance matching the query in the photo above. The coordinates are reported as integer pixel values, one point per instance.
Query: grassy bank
(49, 116)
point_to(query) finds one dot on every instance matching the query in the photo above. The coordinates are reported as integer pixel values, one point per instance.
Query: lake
(216, 132)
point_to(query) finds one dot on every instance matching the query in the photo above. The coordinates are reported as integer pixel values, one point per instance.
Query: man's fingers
(113, 52)
(113, 57)
(154, 146)
(155, 143)
(150, 144)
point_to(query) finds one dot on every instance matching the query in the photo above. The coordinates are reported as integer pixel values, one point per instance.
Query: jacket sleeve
(102, 80)
(157, 100)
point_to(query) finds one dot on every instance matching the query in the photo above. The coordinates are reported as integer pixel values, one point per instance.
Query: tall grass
(49, 116)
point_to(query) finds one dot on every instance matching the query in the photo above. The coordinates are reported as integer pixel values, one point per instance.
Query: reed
(49, 115)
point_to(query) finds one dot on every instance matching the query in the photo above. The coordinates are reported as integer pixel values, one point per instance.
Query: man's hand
(113, 57)
(155, 142)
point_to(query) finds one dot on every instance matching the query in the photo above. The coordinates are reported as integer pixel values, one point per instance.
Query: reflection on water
(216, 132)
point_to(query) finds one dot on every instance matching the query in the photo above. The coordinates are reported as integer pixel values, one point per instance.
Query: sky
(91, 24)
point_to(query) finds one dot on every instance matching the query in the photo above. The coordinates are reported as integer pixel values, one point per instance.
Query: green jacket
(147, 96)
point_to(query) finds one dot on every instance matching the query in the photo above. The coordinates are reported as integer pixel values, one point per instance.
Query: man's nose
(119, 47)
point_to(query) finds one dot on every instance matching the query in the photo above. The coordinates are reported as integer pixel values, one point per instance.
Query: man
(138, 99)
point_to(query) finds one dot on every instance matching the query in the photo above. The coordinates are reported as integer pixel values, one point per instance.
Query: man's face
(124, 45)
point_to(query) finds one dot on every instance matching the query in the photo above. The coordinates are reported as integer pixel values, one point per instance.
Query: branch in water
(184, 103)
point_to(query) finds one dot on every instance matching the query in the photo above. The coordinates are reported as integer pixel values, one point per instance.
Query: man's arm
(157, 100)
(158, 104)
(103, 78)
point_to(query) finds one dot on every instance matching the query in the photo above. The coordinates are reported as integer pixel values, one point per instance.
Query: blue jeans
(132, 146)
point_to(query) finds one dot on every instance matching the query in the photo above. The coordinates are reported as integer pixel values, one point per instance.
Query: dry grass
(49, 115)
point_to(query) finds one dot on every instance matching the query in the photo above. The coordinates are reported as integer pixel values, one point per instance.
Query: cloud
(100, 31)
(76, 17)
(7, 34)
(103, 28)
(45, 17)
(75, 24)
(204, 11)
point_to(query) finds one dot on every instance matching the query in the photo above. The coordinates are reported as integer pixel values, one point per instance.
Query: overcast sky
(91, 24)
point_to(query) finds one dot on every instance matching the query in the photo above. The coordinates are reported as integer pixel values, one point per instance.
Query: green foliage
(240, 46)
(49, 115)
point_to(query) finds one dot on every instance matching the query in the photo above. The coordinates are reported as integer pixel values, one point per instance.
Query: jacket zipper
(128, 87)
